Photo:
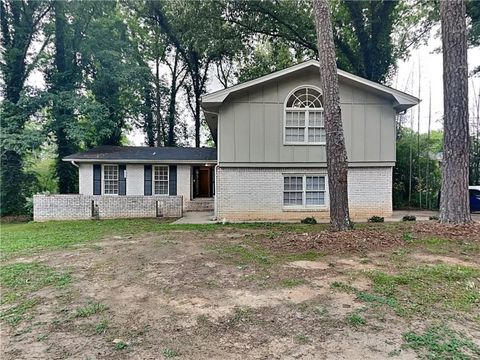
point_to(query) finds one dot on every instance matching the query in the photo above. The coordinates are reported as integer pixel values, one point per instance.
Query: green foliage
(409, 218)
(90, 309)
(266, 57)
(355, 320)
(289, 283)
(170, 353)
(440, 342)
(56, 234)
(18, 281)
(29, 208)
(407, 237)
(376, 219)
(422, 160)
(427, 289)
(369, 36)
(309, 220)
(101, 327)
(120, 345)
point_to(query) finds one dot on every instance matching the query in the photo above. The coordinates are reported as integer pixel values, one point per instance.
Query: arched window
(304, 117)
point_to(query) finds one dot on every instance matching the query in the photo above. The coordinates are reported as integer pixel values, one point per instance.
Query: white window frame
(306, 111)
(103, 179)
(168, 179)
(304, 205)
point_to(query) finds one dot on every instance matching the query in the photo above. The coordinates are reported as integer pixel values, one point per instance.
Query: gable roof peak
(402, 100)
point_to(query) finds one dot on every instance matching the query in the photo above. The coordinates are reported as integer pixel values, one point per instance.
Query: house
(270, 161)
(149, 171)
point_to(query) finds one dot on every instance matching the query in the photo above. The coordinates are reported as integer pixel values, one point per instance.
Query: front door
(202, 178)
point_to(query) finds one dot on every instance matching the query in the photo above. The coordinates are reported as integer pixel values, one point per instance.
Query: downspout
(215, 196)
(74, 164)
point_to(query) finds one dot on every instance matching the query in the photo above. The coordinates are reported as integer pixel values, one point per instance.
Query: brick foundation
(79, 207)
(257, 193)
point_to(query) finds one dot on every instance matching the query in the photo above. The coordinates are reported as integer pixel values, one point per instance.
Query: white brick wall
(257, 193)
(85, 179)
(76, 207)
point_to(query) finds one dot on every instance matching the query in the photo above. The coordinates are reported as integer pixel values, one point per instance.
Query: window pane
(315, 119)
(292, 198)
(293, 190)
(315, 183)
(305, 97)
(316, 135)
(289, 119)
(160, 180)
(295, 134)
(293, 183)
(301, 119)
(315, 198)
(110, 175)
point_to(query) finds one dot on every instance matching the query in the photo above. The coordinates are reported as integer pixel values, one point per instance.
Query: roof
(402, 100)
(144, 154)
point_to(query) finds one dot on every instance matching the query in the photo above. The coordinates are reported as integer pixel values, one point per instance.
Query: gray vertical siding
(251, 129)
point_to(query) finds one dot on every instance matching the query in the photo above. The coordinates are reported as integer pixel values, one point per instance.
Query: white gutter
(73, 163)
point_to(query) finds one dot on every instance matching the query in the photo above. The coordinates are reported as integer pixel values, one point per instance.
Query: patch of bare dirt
(433, 258)
(357, 241)
(166, 291)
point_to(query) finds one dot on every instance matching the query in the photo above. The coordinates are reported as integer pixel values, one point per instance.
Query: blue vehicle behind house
(474, 198)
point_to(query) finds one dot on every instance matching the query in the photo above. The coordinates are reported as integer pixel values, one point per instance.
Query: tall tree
(337, 163)
(116, 74)
(20, 22)
(63, 81)
(201, 36)
(177, 78)
(454, 199)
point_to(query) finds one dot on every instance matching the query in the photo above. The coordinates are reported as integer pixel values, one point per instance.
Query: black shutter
(147, 180)
(97, 179)
(122, 180)
(172, 180)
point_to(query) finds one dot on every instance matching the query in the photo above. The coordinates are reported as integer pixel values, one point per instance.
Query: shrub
(376, 219)
(409, 218)
(309, 220)
(29, 208)
(434, 217)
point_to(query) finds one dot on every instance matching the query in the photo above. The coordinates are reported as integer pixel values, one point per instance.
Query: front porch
(202, 189)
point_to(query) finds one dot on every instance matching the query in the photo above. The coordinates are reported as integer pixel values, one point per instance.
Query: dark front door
(202, 179)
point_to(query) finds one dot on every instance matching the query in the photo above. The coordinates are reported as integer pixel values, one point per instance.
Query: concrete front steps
(200, 204)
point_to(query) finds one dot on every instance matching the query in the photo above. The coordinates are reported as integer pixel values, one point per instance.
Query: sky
(429, 63)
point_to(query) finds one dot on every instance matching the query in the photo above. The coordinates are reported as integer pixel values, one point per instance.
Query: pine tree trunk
(337, 164)
(454, 200)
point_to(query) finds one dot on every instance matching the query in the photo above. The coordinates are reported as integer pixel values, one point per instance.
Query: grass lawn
(20, 238)
(121, 289)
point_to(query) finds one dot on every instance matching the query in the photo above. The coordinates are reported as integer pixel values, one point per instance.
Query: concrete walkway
(196, 217)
